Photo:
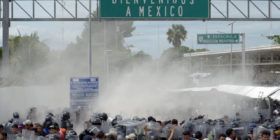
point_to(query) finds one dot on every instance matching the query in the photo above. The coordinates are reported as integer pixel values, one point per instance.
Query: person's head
(174, 122)
(251, 134)
(186, 135)
(111, 137)
(15, 115)
(222, 137)
(198, 135)
(21, 126)
(100, 135)
(28, 124)
(151, 119)
(104, 117)
(1, 128)
(36, 124)
(265, 135)
(40, 129)
(130, 136)
(14, 129)
(3, 136)
(54, 128)
(230, 133)
(66, 115)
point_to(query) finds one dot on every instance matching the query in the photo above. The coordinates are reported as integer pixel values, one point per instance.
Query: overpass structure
(262, 62)
(76, 10)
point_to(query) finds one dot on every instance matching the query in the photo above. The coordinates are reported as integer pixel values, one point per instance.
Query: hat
(21, 125)
(27, 122)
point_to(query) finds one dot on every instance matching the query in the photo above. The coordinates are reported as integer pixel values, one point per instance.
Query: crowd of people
(102, 127)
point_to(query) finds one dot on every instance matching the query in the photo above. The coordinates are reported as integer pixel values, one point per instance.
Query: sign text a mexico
(154, 9)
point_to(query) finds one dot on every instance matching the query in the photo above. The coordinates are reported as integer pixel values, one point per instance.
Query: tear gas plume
(141, 89)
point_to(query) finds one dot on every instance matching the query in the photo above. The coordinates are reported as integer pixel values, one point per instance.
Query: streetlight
(89, 43)
(231, 24)
(107, 53)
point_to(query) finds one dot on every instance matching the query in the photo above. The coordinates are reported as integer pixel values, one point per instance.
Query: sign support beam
(89, 43)
(5, 37)
(243, 57)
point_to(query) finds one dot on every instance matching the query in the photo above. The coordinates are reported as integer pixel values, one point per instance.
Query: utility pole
(231, 24)
(243, 56)
(5, 51)
(89, 43)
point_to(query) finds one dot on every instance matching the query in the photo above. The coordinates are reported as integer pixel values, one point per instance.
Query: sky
(149, 36)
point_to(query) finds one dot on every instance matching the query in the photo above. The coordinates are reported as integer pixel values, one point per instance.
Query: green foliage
(27, 52)
(106, 35)
(275, 38)
(141, 57)
(201, 50)
(176, 54)
(176, 35)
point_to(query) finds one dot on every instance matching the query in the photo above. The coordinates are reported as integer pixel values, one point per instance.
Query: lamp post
(107, 53)
(89, 43)
(231, 24)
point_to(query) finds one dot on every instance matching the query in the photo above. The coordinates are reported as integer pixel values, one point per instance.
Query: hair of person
(265, 132)
(222, 135)
(198, 135)
(174, 121)
(229, 131)
(186, 132)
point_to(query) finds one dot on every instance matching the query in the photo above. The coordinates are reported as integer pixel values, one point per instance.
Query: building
(262, 63)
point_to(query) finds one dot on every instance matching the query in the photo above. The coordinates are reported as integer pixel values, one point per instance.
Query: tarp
(249, 91)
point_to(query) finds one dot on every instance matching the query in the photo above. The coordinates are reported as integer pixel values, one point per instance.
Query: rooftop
(249, 49)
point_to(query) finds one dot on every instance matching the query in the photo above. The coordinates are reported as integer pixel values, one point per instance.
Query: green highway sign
(218, 39)
(154, 9)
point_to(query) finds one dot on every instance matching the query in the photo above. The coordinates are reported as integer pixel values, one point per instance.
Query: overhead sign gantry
(203, 10)
(154, 9)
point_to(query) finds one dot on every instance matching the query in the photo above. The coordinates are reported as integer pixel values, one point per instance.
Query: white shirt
(228, 138)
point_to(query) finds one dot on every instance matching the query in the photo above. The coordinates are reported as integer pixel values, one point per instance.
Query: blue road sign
(82, 90)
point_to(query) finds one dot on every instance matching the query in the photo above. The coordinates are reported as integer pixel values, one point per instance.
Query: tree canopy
(275, 38)
(176, 34)
(28, 51)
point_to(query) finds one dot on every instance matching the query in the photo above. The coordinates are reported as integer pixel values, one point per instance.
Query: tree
(141, 57)
(106, 35)
(275, 38)
(175, 54)
(176, 35)
(27, 53)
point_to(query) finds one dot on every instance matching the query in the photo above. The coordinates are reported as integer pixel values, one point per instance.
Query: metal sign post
(231, 24)
(89, 43)
(243, 56)
(5, 51)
